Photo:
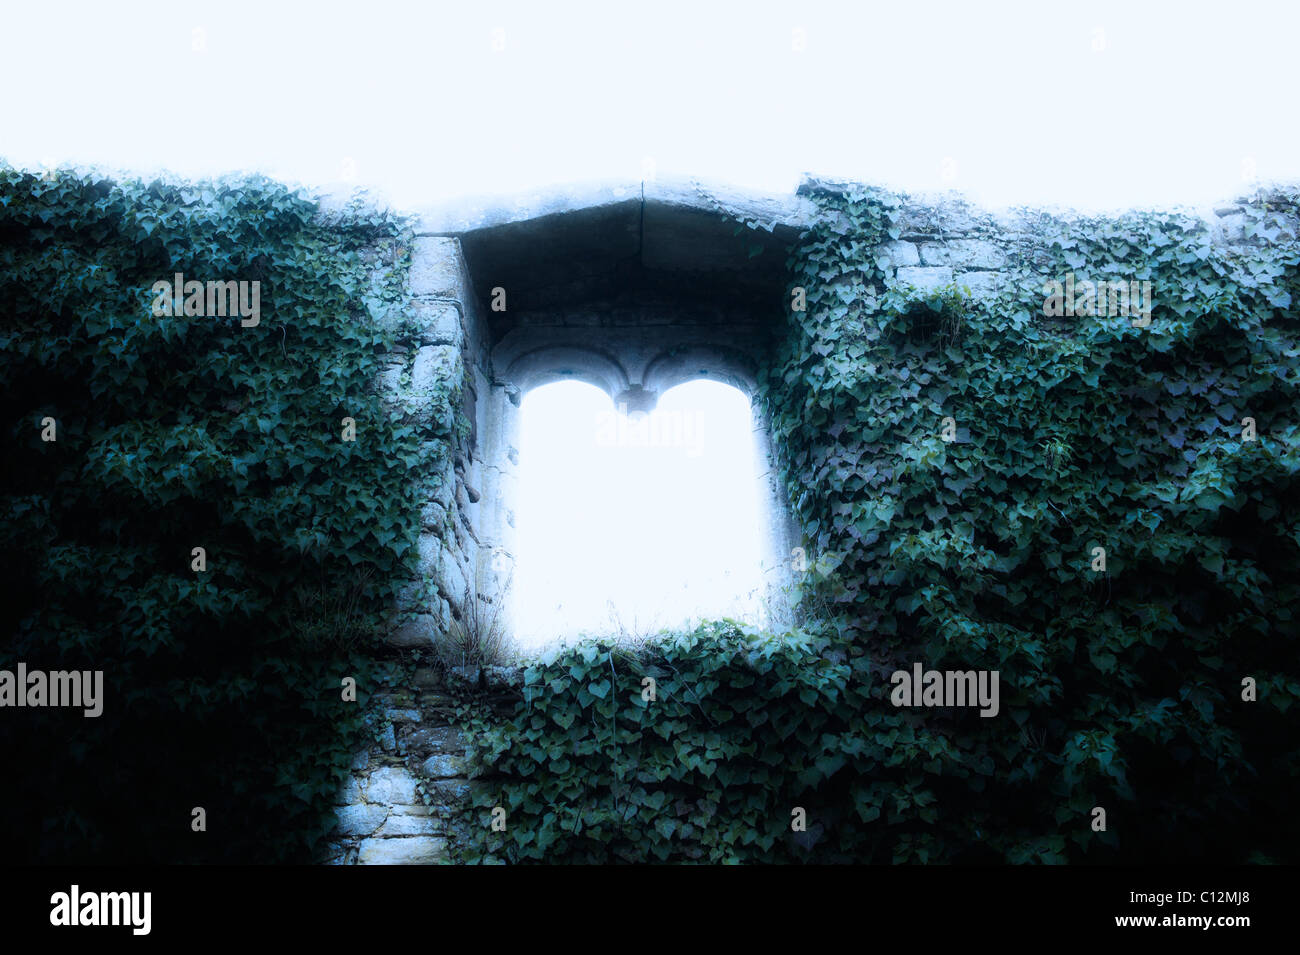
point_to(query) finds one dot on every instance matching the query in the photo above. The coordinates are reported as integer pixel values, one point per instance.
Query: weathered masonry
(633, 288)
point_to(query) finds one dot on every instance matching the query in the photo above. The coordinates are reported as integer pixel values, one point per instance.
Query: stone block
(926, 277)
(444, 766)
(391, 786)
(982, 285)
(438, 322)
(436, 739)
(433, 365)
(409, 850)
(442, 613)
(340, 853)
(936, 218)
(420, 631)
(899, 254)
(361, 820)
(437, 268)
(444, 492)
(964, 254)
(430, 555)
(453, 578)
(411, 824)
(433, 516)
(350, 791)
(466, 676)
(449, 790)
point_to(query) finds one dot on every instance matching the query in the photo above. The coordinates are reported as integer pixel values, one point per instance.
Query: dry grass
(478, 638)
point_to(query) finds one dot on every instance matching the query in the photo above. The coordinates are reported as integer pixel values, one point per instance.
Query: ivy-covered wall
(1099, 504)
(139, 429)
(408, 772)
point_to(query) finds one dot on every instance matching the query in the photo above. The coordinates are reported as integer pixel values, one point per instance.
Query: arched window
(630, 522)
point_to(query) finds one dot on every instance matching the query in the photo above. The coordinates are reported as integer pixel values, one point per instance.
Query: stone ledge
(402, 850)
(410, 825)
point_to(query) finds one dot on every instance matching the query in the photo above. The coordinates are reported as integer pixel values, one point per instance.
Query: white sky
(1181, 102)
(659, 517)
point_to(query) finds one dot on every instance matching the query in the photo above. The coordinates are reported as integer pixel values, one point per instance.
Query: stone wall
(944, 241)
(444, 349)
(398, 803)
(394, 807)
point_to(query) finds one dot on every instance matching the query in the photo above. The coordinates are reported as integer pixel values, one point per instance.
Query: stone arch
(635, 291)
(692, 362)
(561, 362)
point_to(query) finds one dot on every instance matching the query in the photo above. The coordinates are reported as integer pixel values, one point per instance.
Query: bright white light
(1099, 104)
(629, 525)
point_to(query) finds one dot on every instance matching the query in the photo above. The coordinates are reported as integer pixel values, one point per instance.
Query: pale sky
(659, 517)
(1096, 105)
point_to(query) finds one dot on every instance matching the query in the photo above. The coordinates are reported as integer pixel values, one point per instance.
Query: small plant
(636, 636)
(477, 638)
(933, 315)
(1058, 453)
(330, 617)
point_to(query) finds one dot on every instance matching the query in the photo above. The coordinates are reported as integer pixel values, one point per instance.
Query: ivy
(595, 766)
(971, 550)
(1120, 689)
(223, 687)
